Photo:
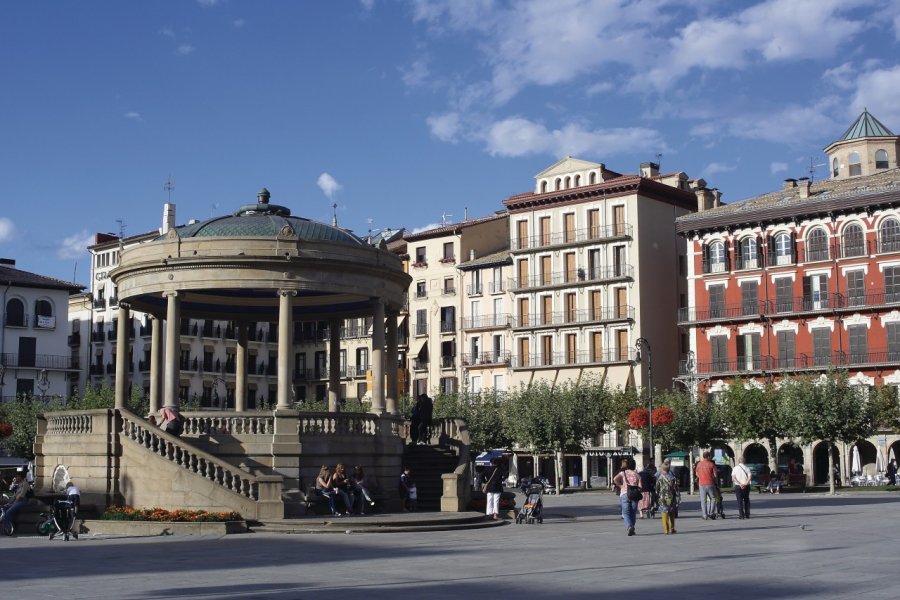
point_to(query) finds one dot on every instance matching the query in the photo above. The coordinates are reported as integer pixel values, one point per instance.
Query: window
(859, 347)
(821, 346)
(593, 219)
(784, 294)
(543, 187)
(719, 347)
(893, 340)
(475, 381)
(475, 289)
(421, 289)
(475, 348)
(815, 292)
(362, 359)
(568, 182)
(448, 252)
(569, 227)
(889, 235)
(748, 254)
(853, 242)
(787, 353)
(881, 159)
(497, 285)
(544, 230)
(784, 249)
(422, 321)
(499, 383)
(619, 265)
(856, 288)
(748, 350)
(449, 286)
(592, 178)
(15, 313)
(420, 256)
(521, 240)
(854, 164)
(750, 298)
(448, 319)
(716, 301)
(717, 257)
(834, 167)
(817, 245)
(892, 284)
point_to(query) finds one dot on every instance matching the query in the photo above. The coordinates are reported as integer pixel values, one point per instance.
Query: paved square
(795, 546)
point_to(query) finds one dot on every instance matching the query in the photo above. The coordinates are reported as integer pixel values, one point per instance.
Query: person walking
(706, 478)
(741, 477)
(493, 487)
(625, 478)
(667, 493)
(892, 472)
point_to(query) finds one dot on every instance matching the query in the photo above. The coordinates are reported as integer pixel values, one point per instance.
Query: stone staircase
(427, 464)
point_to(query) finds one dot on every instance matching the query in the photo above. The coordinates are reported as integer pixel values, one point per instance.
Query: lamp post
(643, 344)
(690, 380)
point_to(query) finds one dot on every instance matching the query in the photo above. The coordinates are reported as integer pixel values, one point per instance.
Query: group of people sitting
(354, 491)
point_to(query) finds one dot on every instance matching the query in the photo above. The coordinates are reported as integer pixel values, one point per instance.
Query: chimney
(706, 198)
(168, 218)
(472, 254)
(790, 184)
(804, 184)
(649, 169)
(717, 198)
(8, 262)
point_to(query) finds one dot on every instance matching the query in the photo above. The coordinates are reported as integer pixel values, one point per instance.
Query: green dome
(266, 220)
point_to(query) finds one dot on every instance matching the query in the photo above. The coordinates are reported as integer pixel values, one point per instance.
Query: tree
(752, 413)
(827, 409)
(484, 414)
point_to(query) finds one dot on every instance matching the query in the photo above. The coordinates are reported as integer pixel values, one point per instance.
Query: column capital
(287, 292)
(172, 294)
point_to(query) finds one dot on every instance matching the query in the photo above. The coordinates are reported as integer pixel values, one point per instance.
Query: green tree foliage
(827, 409)
(485, 415)
(23, 415)
(699, 423)
(752, 413)
(887, 408)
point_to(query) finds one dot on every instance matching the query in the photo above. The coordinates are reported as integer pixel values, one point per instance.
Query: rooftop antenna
(812, 169)
(444, 219)
(370, 220)
(121, 228)
(169, 187)
(334, 214)
(212, 209)
(659, 160)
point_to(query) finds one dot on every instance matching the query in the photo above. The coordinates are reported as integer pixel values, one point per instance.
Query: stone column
(173, 349)
(240, 368)
(285, 346)
(122, 360)
(156, 363)
(334, 364)
(391, 368)
(378, 358)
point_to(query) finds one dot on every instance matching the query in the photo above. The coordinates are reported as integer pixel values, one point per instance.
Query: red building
(801, 279)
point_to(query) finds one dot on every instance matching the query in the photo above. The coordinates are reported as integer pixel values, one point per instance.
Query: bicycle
(6, 527)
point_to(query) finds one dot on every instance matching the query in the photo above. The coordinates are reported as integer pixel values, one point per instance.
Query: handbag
(484, 487)
(633, 492)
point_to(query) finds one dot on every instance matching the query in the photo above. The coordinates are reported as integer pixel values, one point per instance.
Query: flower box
(420, 264)
(449, 259)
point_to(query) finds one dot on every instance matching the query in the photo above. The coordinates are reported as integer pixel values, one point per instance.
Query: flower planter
(148, 528)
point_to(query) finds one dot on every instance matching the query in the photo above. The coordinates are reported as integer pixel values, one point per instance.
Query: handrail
(323, 423)
(168, 447)
(238, 423)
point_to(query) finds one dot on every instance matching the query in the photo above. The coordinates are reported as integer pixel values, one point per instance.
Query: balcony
(605, 233)
(421, 293)
(566, 278)
(486, 322)
(421, 329)
(75, 339)
(496, 287)
(729, 312)
(800, 362)
(99, 303)
(572, 359)
(97, 369)
(485, 359)
(113, 301)
(448, 326)
(448, 291)
(39, 361)
(573, 317)
(448, 362)
(474, 289)
(97, 336)
(420, 364)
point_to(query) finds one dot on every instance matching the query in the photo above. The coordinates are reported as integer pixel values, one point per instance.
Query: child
(413, 497)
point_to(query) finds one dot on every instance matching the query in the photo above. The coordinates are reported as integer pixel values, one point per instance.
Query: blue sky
(407, 112)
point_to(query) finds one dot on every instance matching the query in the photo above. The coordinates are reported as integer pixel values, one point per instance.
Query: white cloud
(518, 136)
(329, 185)
(444, 127)
(778, 167)
(238, 23)
(367, 5)
(717, 167)
(796, 125)
(416, 73)
(134, 115)
(426, 227)
(167, 32)
(184, 49)
(599, 88)
(7, 229)
(840, 77)
(75, 245)
(209, 3)
(877, 91)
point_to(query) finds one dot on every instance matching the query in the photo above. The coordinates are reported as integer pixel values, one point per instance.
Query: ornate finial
(263, 196)
(334, 215)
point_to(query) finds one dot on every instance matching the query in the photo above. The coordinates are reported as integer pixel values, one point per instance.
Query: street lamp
(642, 344)
(690, 380)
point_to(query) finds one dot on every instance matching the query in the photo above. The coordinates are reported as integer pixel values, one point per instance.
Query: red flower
(638, 418)
(6, 429)
(662, 415)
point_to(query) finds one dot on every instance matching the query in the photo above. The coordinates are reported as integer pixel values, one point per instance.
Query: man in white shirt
(741, 476)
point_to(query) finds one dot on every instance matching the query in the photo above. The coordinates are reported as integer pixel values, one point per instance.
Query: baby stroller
(64, 519)
(533, 509)
(719, 511)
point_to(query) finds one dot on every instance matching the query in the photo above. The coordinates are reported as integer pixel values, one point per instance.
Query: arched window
(15, 313)
(834, 167)
(889, 235)
(853, 243)
(748, 254)
(568, 182)
(544, 187)
(817, 245)
(557, 183)
(717, 257)
(854, 164)
(577, 180)
(881, 159)
(593, 178)
(783, 249)
(43, 315)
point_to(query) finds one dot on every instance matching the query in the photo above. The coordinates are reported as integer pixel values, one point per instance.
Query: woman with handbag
(492, 488)
(667, 490)
(630, 493)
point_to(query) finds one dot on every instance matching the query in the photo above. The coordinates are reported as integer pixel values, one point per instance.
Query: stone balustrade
(235, 423)
(72, 423)
(324, 424)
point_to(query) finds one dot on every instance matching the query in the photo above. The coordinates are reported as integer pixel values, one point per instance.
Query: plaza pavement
(794, 546)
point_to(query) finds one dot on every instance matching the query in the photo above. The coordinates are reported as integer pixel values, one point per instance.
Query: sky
(407, 113)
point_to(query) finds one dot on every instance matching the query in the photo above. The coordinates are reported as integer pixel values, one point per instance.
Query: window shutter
(727, 256)
(807, 291)
(705, 258)
(793, 247)
(771, 243)
(739, 254)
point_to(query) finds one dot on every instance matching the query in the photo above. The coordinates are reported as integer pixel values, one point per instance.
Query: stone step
(393, 523)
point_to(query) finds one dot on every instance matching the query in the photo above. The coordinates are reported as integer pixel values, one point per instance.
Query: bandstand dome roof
(236, 266)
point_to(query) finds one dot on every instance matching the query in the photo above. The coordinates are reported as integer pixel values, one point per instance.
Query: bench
(318, 504)
(795, 480)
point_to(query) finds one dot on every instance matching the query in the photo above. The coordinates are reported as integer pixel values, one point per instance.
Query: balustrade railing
(235, 423)
(320, 424)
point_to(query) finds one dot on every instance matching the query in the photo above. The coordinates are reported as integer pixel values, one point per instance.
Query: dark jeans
(743, 500)
(14, 508)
